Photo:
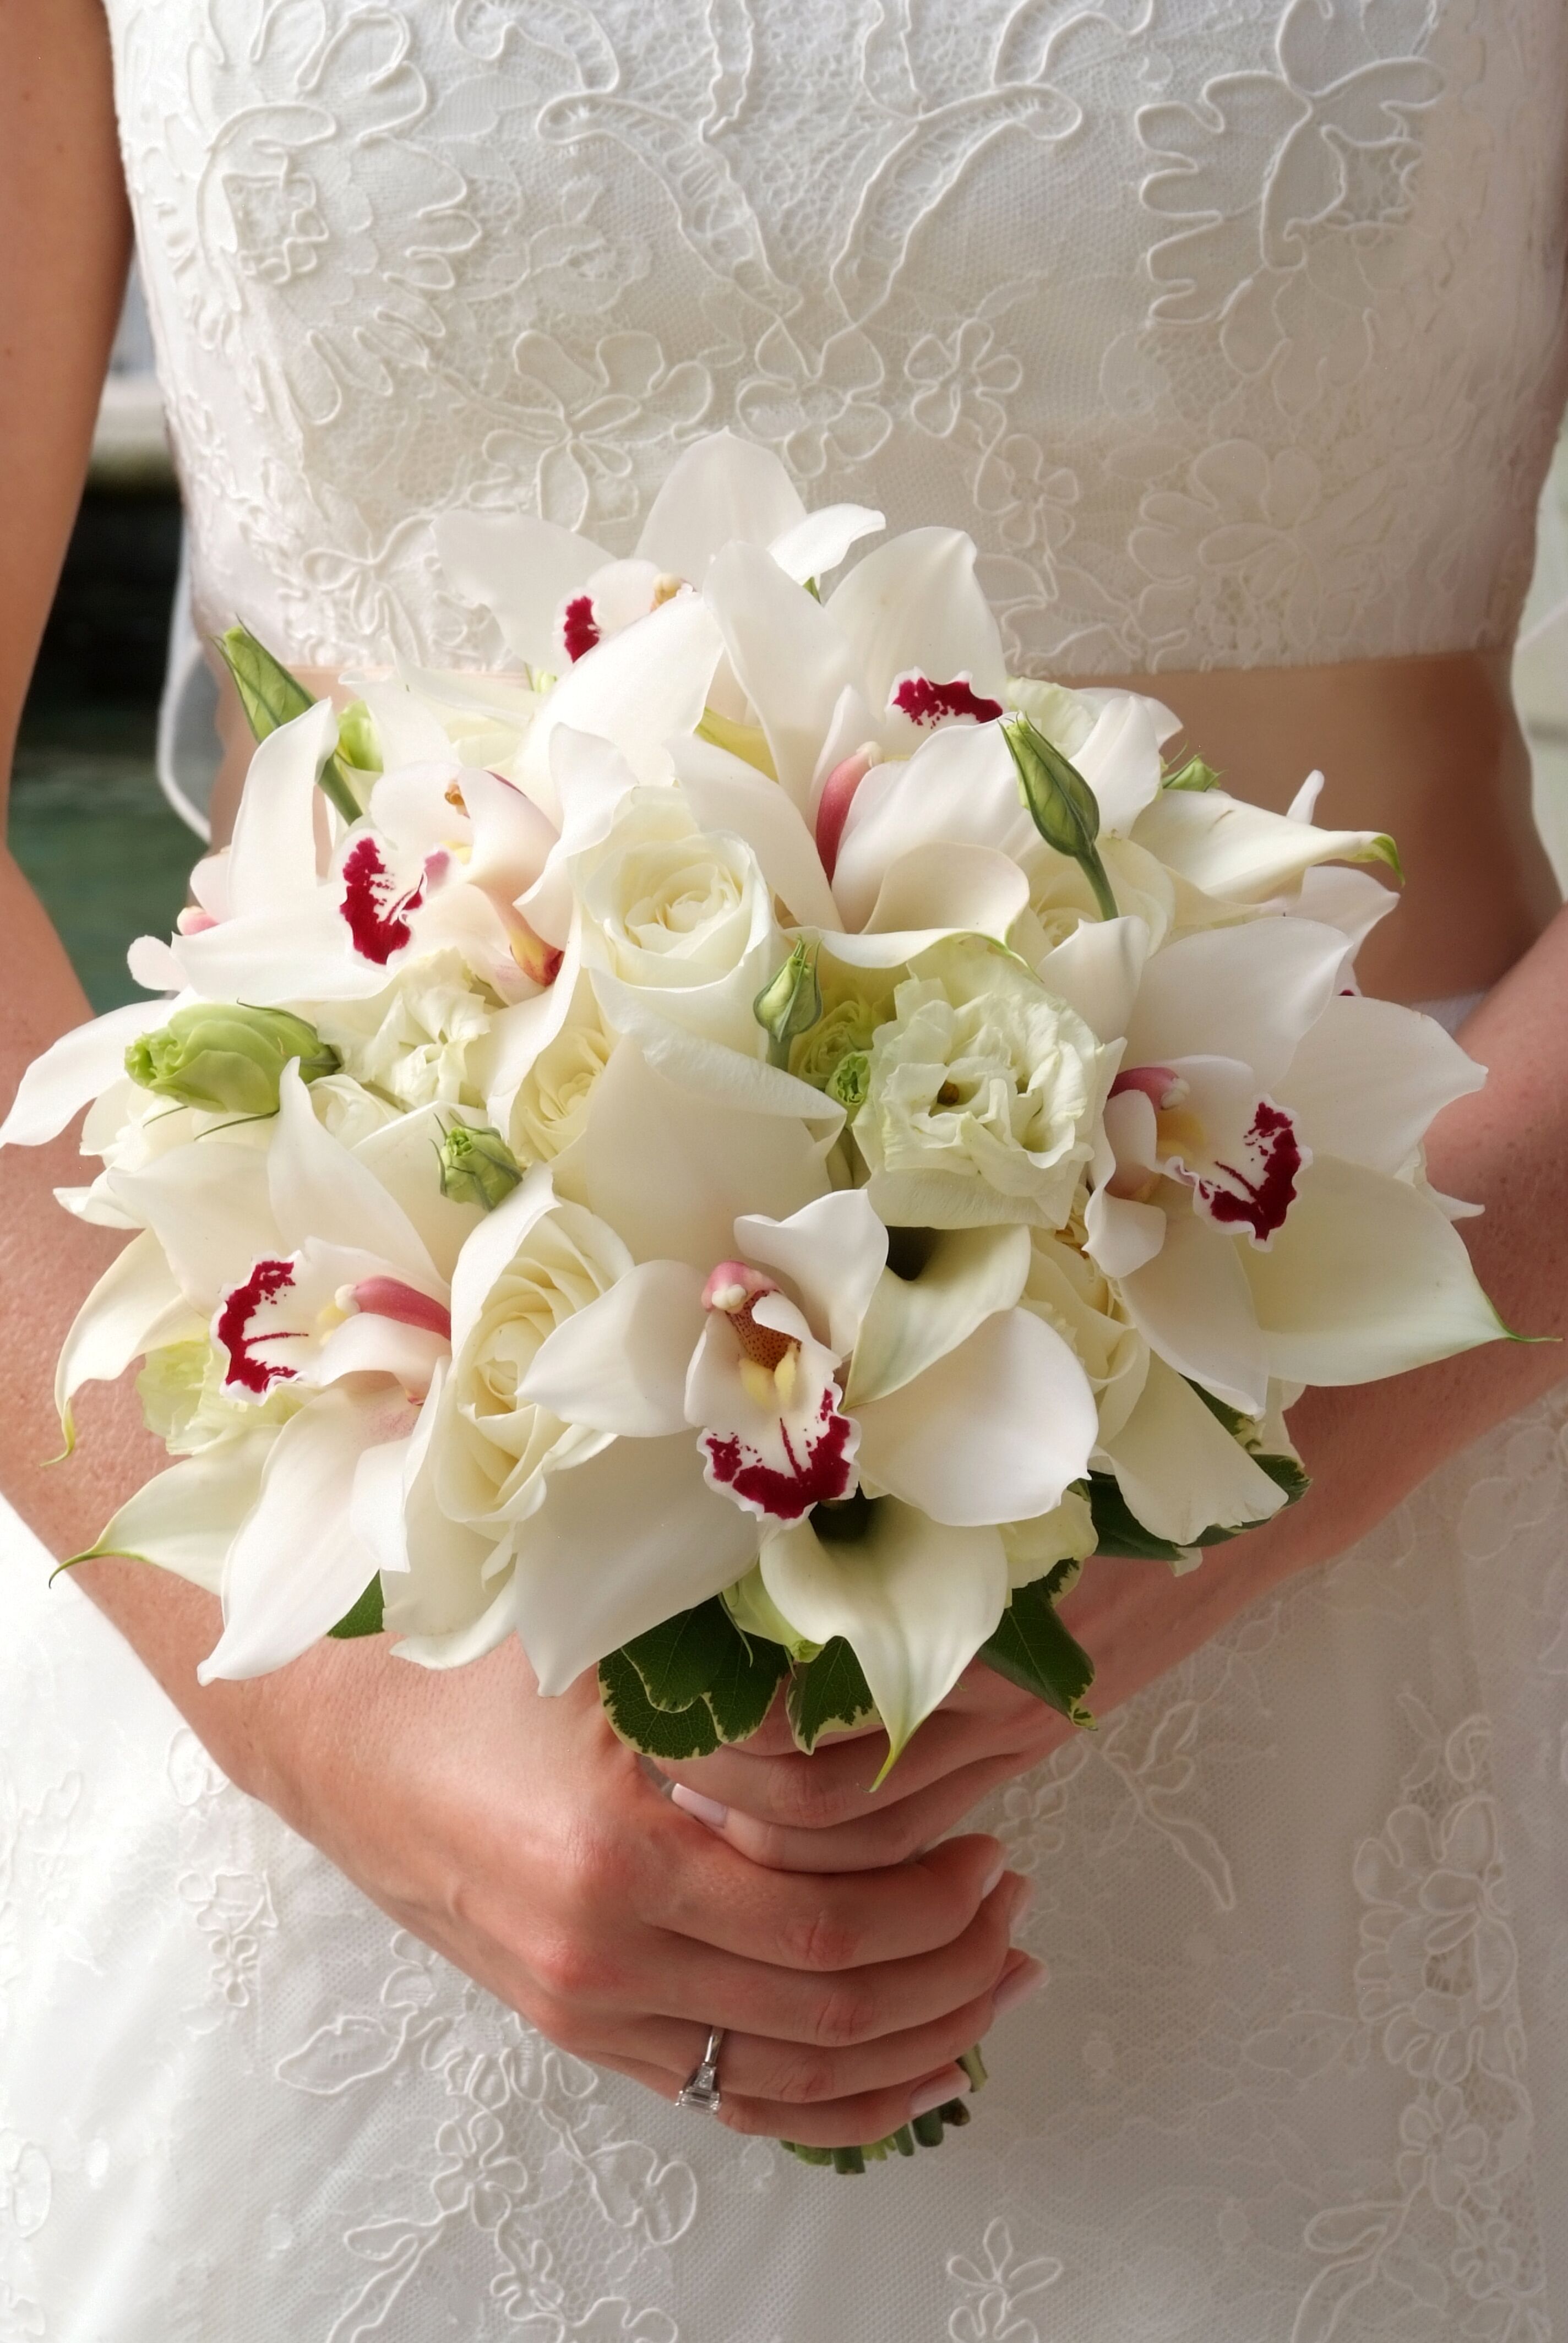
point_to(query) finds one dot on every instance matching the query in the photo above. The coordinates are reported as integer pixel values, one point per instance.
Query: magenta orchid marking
(376, 914)
(241, 1303)
(388, 1297)
(1260, 1204)
(579, 628)
(824, 1475)
(925, 701)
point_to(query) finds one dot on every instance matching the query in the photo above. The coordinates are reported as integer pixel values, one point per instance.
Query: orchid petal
(1338, 897)
(402, 1158)
(1181, 1470)
(944, 887)
(1121, 1235)
(407, 729)
(671, 1169)
(618, 1544)
(913, 1598)
(1096, 971)
(820, 542)
(135, 1301)
(634, 690)
(790, 660)
(72, 1071)
(186, 1519)
(207, 1206)
(718, 489)
(1242, 851)
(367, 1343)
(993, 1432)
(272, 863)
(302, 953)
(915, 603)
(383, 1479)
(1192, 1304)
(960, 788)
(151, 964)
(1369, 1077)
(520, 569)
(297, 1567)
(1249, 993)
(832, 1251)
(913, 1321)
(1121, 761)
(724, 793)
(320, 1191)
(1366, 1279)
(620, 1364)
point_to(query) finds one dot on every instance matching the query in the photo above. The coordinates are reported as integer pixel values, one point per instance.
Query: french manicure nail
(707, 1810)
(1027, 1978)
(951, 2084)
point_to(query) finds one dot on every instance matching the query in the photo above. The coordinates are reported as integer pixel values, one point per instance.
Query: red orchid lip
(376, 914)
(926, 701)
(246, 1371)
(824, 1473)
(579, 628)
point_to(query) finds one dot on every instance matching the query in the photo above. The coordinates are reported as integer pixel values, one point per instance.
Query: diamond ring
(700, 2088)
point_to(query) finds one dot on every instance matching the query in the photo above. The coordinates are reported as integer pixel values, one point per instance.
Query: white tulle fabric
(1232, 329)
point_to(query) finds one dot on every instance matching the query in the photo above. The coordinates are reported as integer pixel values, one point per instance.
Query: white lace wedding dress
(1233, 330)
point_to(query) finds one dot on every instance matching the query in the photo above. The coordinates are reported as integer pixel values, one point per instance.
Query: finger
(886, 1838)
(833, 2012)
(711, 1894)
(843, 2122)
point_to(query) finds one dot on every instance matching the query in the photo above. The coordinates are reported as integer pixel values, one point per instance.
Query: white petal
(401, 1157)
(820, 542)
(1369, 1077)
(521, 570)
(377, 1506)
(1096, 971)
(72, 1072)
(1192, 1304)
(1230, 847)
(718, 489)
(304, 953)
(944, 886)
(960, 786)
(492, 1246)
(914, 602)
(1180, 1469)
(1121, 761)
(407, 729)
(134, 1298)
(1351, 900)
(1304, 804)
(634, 690)
(620, 1543)
(725, 793)
(1121, 1235)
(914, 1599)
(1366, 1278)
(620, 1364)
(792, 661)
(207, 1205)
(297, 1566)
(1248, 992)
(994, 1432)
(671, 1170)
(319, 1189)
(832, 1251)
(186, 1519)
(153, 965)
(272, 863)
(911, 1322)
(368, 1344)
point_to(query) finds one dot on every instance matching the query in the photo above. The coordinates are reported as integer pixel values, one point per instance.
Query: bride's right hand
(522, 1840)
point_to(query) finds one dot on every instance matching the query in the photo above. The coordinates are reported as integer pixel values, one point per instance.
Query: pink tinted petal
(388, 1297)
(837, 797)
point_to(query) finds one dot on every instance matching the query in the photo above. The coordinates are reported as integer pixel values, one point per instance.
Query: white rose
(548, 1117)
(679, 920)
(982, 1095)
(1072, 1294)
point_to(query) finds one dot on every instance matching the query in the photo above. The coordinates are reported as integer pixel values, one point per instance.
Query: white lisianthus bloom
(421, 1042)
(681, 918)
(983, 1092)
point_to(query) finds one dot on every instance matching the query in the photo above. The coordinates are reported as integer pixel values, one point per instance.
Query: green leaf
(680, 1658)
(1237, 1424)
(1193, 775)
(741, 1693)
(366, 1617)
(657, 1732)
(1033, 1649)
(1062, 805)
(827, 1693)
(1119, 1531)
(1287, 1472)
(271, 698)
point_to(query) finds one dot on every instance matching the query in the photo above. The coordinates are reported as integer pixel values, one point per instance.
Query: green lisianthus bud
(228, 1059)
(850, 1081)
(358, 742)
(478, 1167)
(790, 1004)
(1060, 804)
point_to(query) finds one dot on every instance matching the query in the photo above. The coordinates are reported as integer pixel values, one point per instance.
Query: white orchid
(557, 595)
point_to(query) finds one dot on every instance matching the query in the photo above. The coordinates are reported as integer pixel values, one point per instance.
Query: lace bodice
(1232, 329)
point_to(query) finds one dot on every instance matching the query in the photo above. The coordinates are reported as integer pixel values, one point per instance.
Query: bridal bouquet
(745, 1152)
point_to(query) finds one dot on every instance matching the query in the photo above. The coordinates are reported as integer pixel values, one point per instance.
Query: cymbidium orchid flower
(557, 595)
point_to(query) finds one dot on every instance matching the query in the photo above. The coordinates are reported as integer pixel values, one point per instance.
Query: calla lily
(555, 595)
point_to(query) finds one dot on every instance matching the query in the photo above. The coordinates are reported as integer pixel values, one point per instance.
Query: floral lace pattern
(1299, 2074)
(1190, 310)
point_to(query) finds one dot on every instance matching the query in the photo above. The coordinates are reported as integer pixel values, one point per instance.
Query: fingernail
(1023, 1897)
(950, 2084)
(995, 1874)
(707, 1810)
(1027, 1978)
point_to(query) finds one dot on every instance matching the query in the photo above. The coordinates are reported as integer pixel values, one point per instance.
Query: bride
(353, 2002)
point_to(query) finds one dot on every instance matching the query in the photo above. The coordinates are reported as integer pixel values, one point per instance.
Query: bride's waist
(1429, 749)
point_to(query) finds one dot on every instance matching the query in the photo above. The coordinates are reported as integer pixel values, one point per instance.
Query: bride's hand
(525, 1842)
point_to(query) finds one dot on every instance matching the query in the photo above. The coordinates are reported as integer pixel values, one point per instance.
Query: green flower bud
(790, 1004)
(358, 741)
(850, 1081)
(225, 1058)
(478, 1167)
(1060, 803)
